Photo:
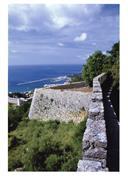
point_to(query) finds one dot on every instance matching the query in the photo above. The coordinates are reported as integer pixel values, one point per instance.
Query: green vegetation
(76, 78)
(98, 63)
(55, 146)
(43, 146)
(93, 67)
(15, 114)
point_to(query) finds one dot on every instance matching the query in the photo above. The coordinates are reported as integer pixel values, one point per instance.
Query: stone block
(90, 166)
(95, 153)
(95, 134)
(97, 89)
(96, 111)
(97, 97)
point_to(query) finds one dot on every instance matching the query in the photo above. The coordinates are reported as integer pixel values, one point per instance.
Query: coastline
(27, 78)
(44, 86)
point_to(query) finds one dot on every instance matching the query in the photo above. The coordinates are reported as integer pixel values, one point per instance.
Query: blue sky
(60, 34)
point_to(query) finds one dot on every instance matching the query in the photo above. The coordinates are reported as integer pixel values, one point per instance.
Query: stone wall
(62, 105)
(95, 139)
(70, 85)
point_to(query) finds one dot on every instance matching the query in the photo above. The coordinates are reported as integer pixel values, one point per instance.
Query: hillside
(47, 146)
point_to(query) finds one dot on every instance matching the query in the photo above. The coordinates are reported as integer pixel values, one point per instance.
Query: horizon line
(41, 64)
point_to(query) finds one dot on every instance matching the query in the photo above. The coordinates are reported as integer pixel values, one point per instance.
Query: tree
(98, 63)
(112, 64)
(93, 67)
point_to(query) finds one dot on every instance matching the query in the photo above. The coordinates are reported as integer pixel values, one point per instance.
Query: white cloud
(64, 30)
(60, 22)
(60, 44)
(82, 37)
(36, 17)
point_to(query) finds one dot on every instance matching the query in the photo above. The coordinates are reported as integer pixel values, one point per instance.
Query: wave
(60, 78)
(53, 85)
(54, 80)
(33, 81)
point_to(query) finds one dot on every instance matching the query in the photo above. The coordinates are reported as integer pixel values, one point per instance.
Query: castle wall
(95, 139)
(62, 105)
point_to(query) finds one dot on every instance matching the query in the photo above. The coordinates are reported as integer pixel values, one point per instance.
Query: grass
(45, 146)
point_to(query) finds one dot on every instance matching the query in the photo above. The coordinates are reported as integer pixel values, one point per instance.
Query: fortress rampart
(60, 104)
(95, 139)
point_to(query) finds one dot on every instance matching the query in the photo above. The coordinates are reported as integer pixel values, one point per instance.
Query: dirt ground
(82, 89)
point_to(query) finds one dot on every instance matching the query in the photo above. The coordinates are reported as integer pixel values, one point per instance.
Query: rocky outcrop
(62, 105)
(95, 139)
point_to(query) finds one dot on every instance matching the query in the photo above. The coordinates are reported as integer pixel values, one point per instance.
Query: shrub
(46, 146)
(16, 114)
(76, 78)
(52, 163)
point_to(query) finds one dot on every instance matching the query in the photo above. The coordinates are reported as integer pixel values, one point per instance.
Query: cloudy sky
(60, 34)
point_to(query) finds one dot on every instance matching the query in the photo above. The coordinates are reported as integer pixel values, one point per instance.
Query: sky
(60, 34)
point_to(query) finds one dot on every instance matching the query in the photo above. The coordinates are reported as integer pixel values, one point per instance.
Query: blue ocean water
(26, 78)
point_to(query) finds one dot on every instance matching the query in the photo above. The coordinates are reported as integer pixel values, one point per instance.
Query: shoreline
(65, 79)
(74, 86)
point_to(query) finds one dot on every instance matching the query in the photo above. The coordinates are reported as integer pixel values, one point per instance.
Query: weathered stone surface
(97, 89)
(103, 161)
(90, 166)
(95, 134)
(50, 104)
(95, 153)
(95, 139)
(97, 97)
(96, 111)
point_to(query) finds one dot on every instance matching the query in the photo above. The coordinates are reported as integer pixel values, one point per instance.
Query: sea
(27, 78)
